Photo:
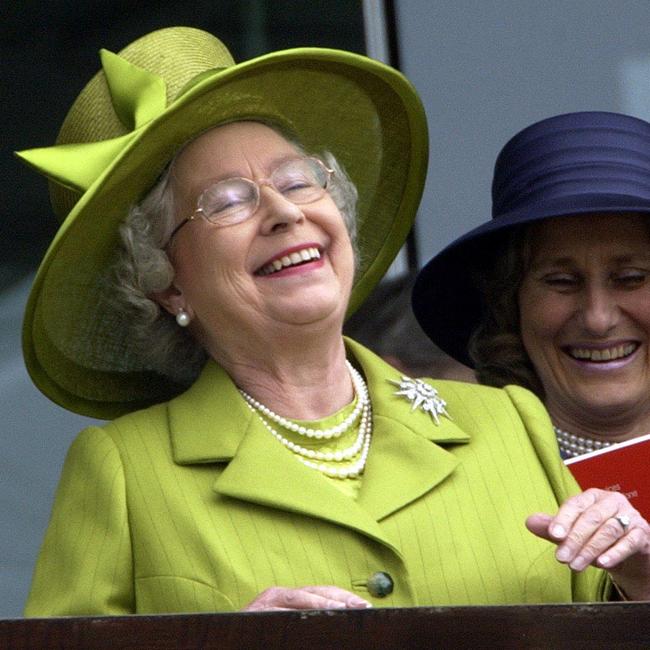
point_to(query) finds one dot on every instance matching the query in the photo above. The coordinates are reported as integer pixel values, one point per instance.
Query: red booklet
(624, 467)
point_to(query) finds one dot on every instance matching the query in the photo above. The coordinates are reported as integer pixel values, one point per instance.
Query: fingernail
(578, 564)
(563, 554)
(558, 531)
(358, 603)
(604, 560)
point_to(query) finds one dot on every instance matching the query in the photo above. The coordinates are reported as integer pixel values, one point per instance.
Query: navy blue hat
(577, 163)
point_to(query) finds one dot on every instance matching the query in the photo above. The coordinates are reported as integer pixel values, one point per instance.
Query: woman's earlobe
(173, 301)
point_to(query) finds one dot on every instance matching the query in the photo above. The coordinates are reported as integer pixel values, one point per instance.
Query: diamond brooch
(422, 396)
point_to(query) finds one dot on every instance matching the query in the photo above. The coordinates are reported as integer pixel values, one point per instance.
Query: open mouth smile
(602, 355)
(295, 258)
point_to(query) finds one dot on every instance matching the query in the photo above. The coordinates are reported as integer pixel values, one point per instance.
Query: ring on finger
(624, 520)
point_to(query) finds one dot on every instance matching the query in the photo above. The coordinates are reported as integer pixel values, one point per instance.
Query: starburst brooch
(421, 395)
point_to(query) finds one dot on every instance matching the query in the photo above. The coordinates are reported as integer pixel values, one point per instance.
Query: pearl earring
(183, 318)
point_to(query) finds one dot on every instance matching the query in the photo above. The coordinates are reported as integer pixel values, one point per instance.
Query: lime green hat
(159, 92)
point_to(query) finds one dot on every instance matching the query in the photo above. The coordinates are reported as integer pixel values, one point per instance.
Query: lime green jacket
(192, 506)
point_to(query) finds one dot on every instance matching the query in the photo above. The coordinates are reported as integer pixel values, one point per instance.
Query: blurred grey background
(484, 69)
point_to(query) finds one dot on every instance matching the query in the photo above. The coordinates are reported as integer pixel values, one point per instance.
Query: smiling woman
(304, 214)
(556, 296)
(584, 307)
(218, 270)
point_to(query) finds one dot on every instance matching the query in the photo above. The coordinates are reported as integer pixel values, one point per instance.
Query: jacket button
(380, 584)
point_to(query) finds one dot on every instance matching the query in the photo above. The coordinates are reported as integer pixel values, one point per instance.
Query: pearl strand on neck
(574, 445)
(333, 432)
(354, 470)
(336, 456)
(305, 455)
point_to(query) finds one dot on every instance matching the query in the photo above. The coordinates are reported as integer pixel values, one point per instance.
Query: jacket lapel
(403, 464)
(264, 472)
(211, 423)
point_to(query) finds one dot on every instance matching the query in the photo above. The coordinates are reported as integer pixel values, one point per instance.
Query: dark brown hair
(496, 346)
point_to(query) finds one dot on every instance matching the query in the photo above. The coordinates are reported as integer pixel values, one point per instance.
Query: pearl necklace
(572, 445)
(333, 432)
(332, 456)
(349, 471)
(307, 456)
(354, 470)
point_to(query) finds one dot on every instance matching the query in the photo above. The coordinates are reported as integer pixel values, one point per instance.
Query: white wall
(487, 68)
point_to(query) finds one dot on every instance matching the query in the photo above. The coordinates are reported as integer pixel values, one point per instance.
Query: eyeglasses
(234, 200)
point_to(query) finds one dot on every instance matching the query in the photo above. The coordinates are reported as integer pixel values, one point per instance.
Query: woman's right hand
(316, 597)
(602, 528)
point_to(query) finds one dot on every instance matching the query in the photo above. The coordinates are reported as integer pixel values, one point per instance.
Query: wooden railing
(609, 625)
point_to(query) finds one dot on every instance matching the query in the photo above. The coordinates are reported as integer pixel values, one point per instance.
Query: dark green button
(380, 584)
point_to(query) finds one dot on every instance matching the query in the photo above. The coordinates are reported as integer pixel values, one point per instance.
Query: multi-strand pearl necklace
(572, 445)
(359, 448)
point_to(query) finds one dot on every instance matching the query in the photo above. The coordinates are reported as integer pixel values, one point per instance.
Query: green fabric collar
(211, 423)
(215, 399)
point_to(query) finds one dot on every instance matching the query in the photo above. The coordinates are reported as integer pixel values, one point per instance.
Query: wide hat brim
(446, 300)
(76, 344)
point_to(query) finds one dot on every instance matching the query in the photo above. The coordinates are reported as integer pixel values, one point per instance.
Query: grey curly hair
(142, 268)
(496, 346)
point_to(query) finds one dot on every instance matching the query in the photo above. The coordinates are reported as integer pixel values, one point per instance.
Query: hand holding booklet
(624, 467)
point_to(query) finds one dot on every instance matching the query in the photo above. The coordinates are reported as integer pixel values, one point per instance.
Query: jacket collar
(211, 423)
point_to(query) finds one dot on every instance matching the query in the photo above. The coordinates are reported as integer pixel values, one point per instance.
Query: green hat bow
(138, 96)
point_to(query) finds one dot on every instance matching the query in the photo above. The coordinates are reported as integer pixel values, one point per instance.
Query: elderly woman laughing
(257, 459)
